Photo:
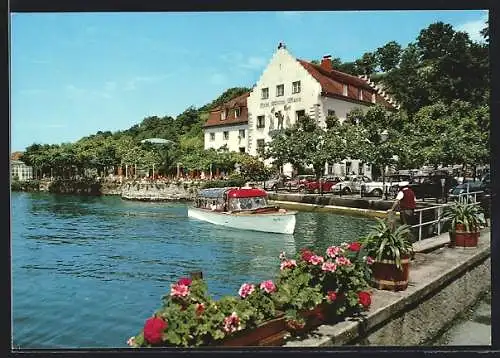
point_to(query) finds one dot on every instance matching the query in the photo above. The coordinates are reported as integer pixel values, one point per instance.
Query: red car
(326, 185)
(299, 182)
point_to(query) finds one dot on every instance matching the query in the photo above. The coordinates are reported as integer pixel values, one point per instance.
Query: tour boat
(242, 208)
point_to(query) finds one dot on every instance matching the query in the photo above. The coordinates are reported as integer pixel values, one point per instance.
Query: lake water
(88, 271)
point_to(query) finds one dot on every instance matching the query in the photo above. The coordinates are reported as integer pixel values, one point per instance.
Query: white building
(288, 89)
(20, 171)
(227, 125)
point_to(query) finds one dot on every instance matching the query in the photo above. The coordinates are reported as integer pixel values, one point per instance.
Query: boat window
(247, 203)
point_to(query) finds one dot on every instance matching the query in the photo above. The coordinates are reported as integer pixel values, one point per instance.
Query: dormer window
(360, 94)
(373, 97)
(237, 112)
(344, 89)
(223, 115)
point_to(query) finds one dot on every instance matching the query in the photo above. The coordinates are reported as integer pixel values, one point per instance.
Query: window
(242, 149)
(373, 98)
(344, 89)
(226, 135)
(360, 168)
(261, 122)
(348, 168)
(264, 93)
(237, 112)
(223, 115)
(242, 133)
(360, 94)
(260, 145)
(300, 114)
(331, 113)
(212, 137)
(296, 87)
(280, 90)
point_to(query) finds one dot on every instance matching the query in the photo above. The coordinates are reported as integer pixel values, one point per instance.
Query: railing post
(420, 226)
(439, 221)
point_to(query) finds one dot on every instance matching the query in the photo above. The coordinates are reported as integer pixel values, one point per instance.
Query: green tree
(388, 56)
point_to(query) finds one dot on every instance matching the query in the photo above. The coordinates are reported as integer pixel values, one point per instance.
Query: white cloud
(473, 28)
(237, 59)
(253, 63)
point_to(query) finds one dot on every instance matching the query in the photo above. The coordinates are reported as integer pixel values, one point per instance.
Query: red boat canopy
(246, 193)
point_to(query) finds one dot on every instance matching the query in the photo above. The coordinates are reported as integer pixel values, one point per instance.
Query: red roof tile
(214, 118)
(332, 84)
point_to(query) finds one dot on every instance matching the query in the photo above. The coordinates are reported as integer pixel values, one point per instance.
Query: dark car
(483, 186)
(327, 184)
(430, 186)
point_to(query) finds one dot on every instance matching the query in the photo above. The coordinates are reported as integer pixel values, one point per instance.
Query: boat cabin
(232, 199)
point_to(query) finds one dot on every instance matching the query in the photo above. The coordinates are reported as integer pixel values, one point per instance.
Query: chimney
(326, 63)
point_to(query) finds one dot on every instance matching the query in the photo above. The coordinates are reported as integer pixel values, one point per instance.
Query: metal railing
(462, 198)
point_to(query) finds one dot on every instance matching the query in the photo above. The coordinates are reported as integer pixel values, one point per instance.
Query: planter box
(314, 318)
(269, 333)
(466, 239)
(386, 275)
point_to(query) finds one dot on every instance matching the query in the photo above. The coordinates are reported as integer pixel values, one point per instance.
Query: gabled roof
(332, 85)
(214, 117)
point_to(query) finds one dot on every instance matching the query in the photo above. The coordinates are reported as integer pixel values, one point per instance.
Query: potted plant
(465, 220)
(391, 248)
(189, 318)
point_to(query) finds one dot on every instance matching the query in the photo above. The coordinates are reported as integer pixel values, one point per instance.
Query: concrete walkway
(473, 327)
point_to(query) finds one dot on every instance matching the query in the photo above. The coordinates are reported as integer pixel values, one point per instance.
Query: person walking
(405, 199)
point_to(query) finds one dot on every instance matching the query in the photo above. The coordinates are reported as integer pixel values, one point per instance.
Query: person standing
(405, 199)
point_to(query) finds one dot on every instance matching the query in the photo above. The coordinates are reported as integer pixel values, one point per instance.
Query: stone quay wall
(158, 191)
(442, 284)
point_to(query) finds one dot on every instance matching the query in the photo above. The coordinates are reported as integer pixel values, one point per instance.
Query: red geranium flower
(200, 308)
(306, 254)
(185, 281)
(354, 246)
(331, 296)
(153, 330)
(364, 298)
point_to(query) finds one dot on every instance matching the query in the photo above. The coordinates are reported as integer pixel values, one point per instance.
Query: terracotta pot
(466, 239)
(269, 333)
(387, 276)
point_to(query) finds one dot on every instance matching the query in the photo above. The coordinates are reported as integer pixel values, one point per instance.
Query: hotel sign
(280, 102)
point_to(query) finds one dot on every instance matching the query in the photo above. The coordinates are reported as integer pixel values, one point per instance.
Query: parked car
(354, 183)
(275, 183)
(482, 185)
(298, 183)
(394, 180)
(429, 186)
(326, 186)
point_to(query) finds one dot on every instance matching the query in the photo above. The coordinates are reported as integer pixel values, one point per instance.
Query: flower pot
(387, 276)
(466, 239)
(452, 239)
(269, 333)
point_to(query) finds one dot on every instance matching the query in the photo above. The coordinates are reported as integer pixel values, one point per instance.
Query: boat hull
(276, 222)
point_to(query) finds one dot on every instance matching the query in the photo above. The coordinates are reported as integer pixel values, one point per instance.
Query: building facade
(227, 125)
(20, 171)
(288, 89)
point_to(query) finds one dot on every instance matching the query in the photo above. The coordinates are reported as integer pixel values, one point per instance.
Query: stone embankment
(443, 283)
(147, 191)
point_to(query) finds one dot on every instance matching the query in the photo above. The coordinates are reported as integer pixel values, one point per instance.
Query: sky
(73, 74)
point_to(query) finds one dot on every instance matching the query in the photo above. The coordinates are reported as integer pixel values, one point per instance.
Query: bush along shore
(311, 289)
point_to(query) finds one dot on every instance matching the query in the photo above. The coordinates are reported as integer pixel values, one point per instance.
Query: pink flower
(288, 264)
(331, 296)
(232, 323)
(268, 286)
(186, 281)
(333, 251)
(316, 260)
(177, 290)
(329, 266)
(354, 246)
(369, 260)
(342, 260)
(246, 289)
